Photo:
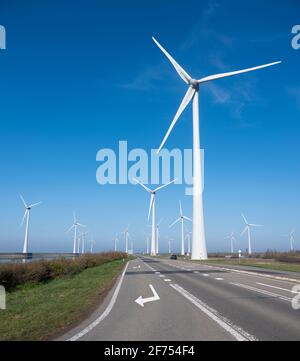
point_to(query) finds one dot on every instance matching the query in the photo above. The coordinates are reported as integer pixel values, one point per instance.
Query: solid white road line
(278, 288)
(258, 290)
(235, 331)
(104, 314)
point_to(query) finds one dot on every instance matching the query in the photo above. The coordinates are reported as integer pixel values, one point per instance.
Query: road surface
(166, 300)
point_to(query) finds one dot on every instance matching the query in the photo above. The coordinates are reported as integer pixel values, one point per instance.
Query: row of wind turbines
(198, 249)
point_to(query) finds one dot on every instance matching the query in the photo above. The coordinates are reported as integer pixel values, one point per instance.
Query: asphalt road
(191, 302)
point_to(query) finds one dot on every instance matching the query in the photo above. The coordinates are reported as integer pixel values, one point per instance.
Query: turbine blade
(180, 209)
(173, 224)
(23, 201)
(164, 186)
(187, 98)
(151, 205)
(181, 72)
(74, 217)
(245, 219)
(224, 75)
(70, 229)
(143, 185)
(256, 225)
(244, 231)
(35, 204)
(81, 225)
(23, 219)
(187, 219)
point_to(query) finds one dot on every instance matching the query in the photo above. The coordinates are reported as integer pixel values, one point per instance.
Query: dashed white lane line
(157, 273)
(162, 276)
(236, 332)
(205, 275)
(196, 272)
(266, 293)
(105, 313)
(167, 280)
(278, 288)
(219, 279)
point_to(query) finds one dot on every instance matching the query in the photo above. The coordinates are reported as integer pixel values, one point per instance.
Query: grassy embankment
(271, 265)
(40, 310)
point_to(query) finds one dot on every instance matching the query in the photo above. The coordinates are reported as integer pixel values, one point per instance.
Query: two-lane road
(186, 301)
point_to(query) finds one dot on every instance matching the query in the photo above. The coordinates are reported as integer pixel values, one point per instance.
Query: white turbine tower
(147, 243)
(75, 226)
(232, 241)
(83, 234)
(170, 244)
(291, 238)
(188, 238)
(181, 219)
(27, 217)
(199, 250)
(248, 229)
(92, 245)
(157, 236)
(152, 207)
(127, 236)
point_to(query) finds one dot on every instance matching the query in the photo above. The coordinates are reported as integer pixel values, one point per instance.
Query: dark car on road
(173, 256)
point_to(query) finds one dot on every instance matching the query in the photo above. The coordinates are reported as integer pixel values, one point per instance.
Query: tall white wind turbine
(291, 238)
(26, 218)
(199, 250)
(248, 230)
(152, 193)
(181, 219)
(232, 241)
(127, 236)
(75, 226)
(92, 245)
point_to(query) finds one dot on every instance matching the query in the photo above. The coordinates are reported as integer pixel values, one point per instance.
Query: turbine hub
(194, 84)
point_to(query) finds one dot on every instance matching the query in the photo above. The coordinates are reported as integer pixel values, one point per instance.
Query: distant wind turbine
(199, 250)
(232, 241)
(157, 236)
(181, 219)
(291, 238)
(188, 238)
(248, 230)
(152, 207)
(75, 226)
(127, 236)
(27, 217)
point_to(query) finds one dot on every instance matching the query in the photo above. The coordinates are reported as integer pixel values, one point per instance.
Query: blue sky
(80, 76)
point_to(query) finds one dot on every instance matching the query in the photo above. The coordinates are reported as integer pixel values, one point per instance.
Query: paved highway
(164, 300)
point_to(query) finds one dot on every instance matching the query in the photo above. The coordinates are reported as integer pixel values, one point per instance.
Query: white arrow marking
(141, 301)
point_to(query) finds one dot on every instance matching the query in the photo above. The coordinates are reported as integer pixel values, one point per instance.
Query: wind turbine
(181, 219)
(92, 244)
(248, 229)
(291, 238)
(152, 207)
(116, 241)
(188, 238)
(75, 226)
(169, 243)
(127, 236)
(232, 240)
(83, 234)
(147, 243)
(157, 235)
(199, 250)
(27, 216)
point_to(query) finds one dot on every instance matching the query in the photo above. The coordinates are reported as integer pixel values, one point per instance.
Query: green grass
(37, 312)
(277, 266)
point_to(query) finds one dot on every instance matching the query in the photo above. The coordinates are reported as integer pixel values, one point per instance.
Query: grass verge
(276, 266)
(40, 311)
